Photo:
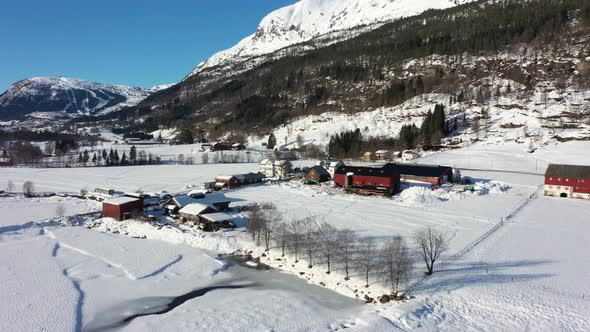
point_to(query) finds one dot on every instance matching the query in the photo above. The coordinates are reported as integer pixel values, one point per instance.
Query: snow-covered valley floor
(531, 274)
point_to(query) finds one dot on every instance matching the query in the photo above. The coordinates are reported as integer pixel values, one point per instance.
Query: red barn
(433, 174)
(568, 181)
(368, 180)
(226, 181)
(122, 208)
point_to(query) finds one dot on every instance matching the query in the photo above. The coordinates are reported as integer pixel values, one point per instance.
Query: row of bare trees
(318, 242)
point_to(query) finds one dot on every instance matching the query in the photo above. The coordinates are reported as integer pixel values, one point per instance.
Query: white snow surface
(530, 274)
(309, 19)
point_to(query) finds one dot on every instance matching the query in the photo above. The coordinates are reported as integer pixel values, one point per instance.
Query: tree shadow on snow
(476, 273)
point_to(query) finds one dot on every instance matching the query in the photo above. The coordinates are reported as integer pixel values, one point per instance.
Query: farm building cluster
(387, 155)
(208, 208)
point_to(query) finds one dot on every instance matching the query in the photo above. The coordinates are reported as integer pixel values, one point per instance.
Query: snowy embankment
(71, 278)
(530, 275)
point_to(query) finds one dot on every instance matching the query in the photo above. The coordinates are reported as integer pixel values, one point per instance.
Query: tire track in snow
(109, 263)
(81, 295)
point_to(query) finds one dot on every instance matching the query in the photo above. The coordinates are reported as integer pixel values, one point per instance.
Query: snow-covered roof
(194, 209)
(264, 162)
(121, 200)
(224, 177)
(217, 217)
(336, 163)
(368, 153)
(382, 151)
(209, 199)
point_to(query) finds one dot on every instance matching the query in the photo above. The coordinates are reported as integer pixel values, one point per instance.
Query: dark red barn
(122, 208)
(434, 174)
(368, 180)
(568, 181)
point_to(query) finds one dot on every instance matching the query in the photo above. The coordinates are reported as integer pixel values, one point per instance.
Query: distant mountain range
(64, 98)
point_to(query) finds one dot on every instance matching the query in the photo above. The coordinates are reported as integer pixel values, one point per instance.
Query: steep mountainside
(60, 97)
(311, 19)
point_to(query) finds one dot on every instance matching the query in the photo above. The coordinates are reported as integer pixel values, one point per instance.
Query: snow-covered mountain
(309, 19)
(61, 97)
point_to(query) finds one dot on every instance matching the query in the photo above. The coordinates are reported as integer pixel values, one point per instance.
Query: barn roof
(121, 200)
(320, 170)
(386, 171)
(250, 176)
(568, 171)
(209, 199)
(225, 177)
(422, 170)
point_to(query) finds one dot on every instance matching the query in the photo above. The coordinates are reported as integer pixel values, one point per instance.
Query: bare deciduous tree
(10, 187)
(255, 221)
(431, 245)
(281, 235)
(367, 257)
(397, 261)
(347, 242)
(270, 216)
(296, 237)
(60, 210)
(310, 236)
(328, 242)
(28, 188)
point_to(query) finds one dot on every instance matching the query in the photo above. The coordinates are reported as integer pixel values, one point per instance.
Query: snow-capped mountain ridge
(309, 19)
(52, 97)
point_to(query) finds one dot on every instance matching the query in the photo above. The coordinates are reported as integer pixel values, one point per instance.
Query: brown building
(226, 181)
(317, 173)
(122, 208)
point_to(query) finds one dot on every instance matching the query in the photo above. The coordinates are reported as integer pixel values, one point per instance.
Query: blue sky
(131, 42)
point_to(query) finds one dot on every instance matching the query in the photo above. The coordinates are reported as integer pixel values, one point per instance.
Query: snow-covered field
(531, 274)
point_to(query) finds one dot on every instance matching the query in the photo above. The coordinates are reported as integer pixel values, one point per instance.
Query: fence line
(481, 238)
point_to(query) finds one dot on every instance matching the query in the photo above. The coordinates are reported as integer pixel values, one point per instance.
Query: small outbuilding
(226, 181)
(122, 208)
(317, 173)
(191, 213)
(409, 155)
(250, 178)
(383, 154)
(216, 221)
(334, 165)
(369, 156)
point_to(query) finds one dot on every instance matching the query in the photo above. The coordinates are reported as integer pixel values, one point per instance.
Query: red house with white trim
(568, 181)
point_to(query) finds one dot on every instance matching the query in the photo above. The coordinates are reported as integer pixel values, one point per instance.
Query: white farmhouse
(275, 168)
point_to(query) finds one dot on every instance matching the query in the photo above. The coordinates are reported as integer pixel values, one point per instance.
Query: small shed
(215, 221)
(369, 156)
(409, 155)
(317, 173)
(226, 181)
(250, 178)
(383, 154)
(334, 165)
(192, 212)
(104, 191)
(122, 208)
